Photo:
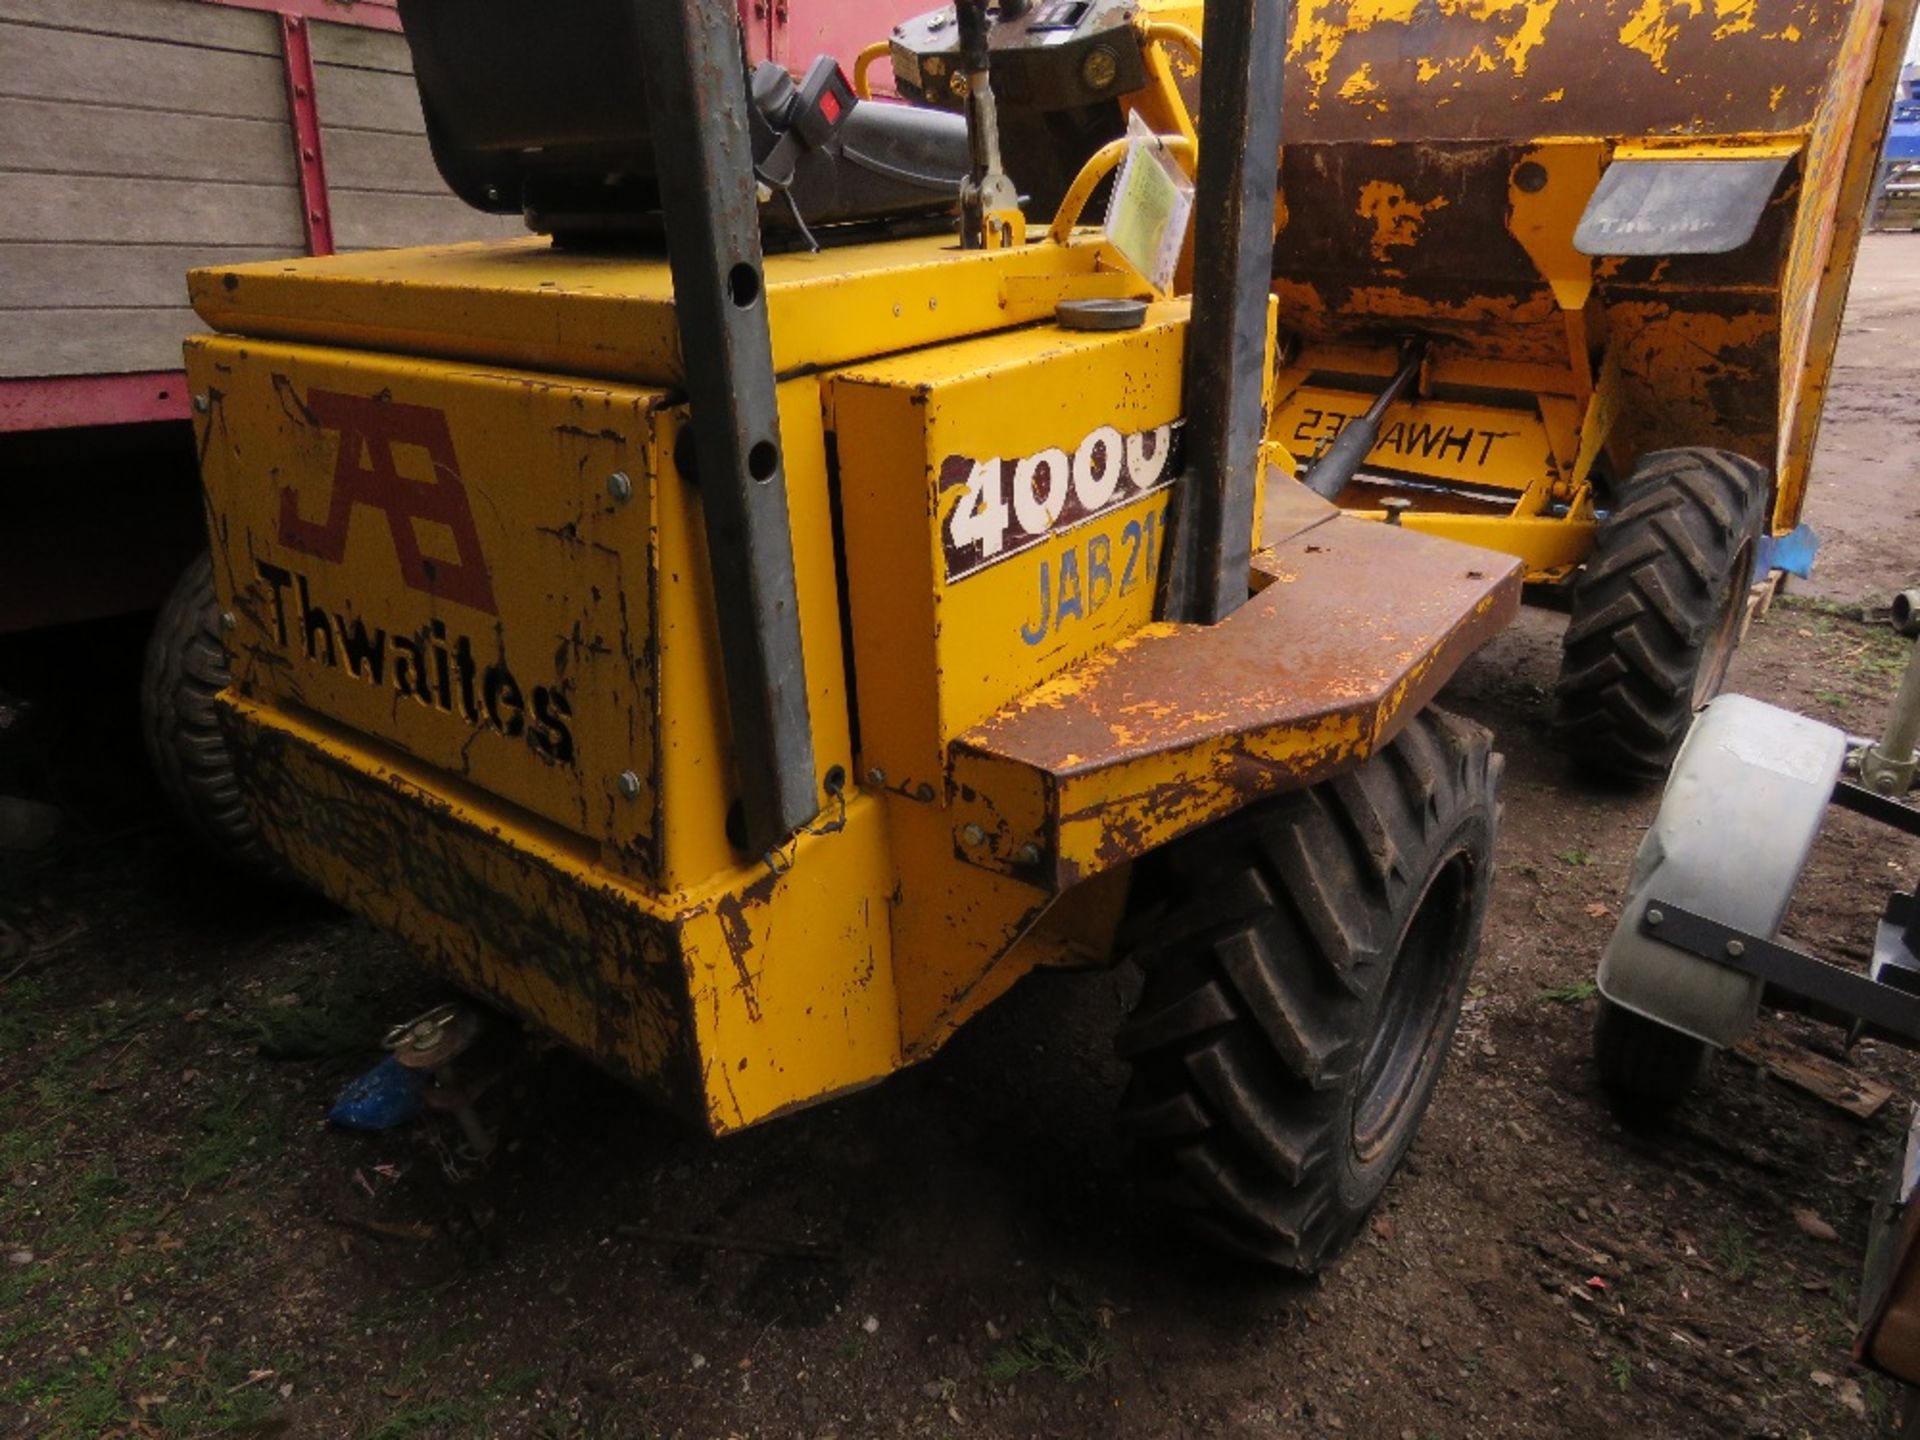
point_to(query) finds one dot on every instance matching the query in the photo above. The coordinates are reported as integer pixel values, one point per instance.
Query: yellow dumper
(743, 660)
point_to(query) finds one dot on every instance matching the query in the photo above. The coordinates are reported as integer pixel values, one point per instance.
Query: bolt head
(876, 776)
(923, 791)
(628, 784)
(200, 401)
(1736, 948)
(973, 835)
(1027, 854)
(229, 621)
(1654, 917)
(1883, 783)
(620, 486)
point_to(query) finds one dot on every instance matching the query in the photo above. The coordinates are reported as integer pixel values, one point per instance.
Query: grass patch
(1072, 1342)
(1571, 994)
(241, 1122)
(24, 1004)
(1735, 1255)
(1874, 651)
(421, 1417)
(338, 1014)
(1573, 857)
(222, 1400)
(1620, 1371)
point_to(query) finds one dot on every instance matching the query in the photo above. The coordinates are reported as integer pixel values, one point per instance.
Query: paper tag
(1151, 205)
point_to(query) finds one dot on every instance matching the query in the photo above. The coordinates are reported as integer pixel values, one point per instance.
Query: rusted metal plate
(1355, 627)
(1395, 69)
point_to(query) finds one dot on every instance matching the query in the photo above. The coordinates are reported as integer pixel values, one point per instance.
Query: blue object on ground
(1792, 552)
(386, 1096)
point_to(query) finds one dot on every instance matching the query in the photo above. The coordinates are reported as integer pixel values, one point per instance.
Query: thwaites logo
(434, 665)
(1007, 506)
(365, 473)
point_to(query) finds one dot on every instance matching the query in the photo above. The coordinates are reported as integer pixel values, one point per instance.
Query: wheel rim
(1413, 1011)
(1712, 673)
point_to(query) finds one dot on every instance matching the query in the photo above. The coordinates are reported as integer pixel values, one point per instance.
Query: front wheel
(1656, 613)
(1305, 962)
(1645, 1066)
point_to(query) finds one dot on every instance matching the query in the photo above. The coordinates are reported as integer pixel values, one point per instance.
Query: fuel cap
(1101, 314)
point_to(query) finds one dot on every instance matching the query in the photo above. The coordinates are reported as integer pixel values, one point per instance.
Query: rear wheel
(1304, 968)
(1656, 613)
(186, 667)
(1645, 1066)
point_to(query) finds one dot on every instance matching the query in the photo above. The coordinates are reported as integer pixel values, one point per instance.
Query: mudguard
(1746, 797)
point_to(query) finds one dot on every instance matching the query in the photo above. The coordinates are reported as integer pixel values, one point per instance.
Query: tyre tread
(1645, 608)
(1239, 1118)
(186, 667)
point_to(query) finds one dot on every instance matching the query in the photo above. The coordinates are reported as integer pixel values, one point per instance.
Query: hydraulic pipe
(1333, 469)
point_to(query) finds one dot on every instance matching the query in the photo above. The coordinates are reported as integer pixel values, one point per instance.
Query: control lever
(1333, 469)
(990, 217)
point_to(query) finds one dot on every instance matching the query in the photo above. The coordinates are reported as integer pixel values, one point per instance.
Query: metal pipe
(1333, 469)
(1887, 766)
(1905, 613)
(1236, 180)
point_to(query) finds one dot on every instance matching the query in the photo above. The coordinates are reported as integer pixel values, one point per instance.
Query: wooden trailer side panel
(139, 138)
(142, 138)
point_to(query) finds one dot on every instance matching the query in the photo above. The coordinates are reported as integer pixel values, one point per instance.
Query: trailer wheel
(186, 667)
(1656, 612)
(1645, 1066)
(1304, 966)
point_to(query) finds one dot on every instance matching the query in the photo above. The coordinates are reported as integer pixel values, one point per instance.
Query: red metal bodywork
(316, 207)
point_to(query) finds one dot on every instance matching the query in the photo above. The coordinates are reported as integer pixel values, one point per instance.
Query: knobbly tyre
(744, 661)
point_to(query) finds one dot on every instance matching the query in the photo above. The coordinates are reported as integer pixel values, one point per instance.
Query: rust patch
(736, 927)
(1175, 728)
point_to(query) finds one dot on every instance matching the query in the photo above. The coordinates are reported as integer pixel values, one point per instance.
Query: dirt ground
(187, 1249)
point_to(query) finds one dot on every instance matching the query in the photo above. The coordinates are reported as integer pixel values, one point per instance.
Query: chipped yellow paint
(1518, 27)
(1735, 17)
(1515, 47)
(1650, 29)
(1317, 33)
(1655, 24)
(1397, 218)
